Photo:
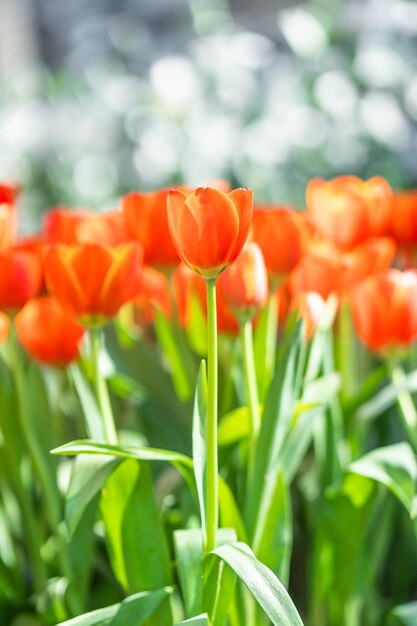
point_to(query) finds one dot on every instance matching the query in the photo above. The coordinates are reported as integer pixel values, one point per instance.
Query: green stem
(100, 388)
(212, 391)
(405, 402)
(246, 338)
(50, 491)
(266, 343)
(346, 353)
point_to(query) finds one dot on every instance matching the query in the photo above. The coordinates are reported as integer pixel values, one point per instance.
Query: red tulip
(152, 291)
(53, 343)
(74, 227)
(91, 281)
(20, 277)
(147, 222)
(209, 227)
(384, 310)
(281, 234)
(244, 285)
(348, 211)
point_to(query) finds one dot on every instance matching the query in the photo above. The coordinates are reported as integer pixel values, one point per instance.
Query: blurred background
(99, 97)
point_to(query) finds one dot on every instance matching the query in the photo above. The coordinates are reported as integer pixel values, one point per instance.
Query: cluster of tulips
(183, 266)
(85, 266)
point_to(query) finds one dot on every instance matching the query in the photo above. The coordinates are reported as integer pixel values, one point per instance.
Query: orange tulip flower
(209, 227)
(152, 291)
(4, 327)
(8, 220)
(348, 210)
(281, 235)
(91, 281)
(244, 285)
(54, 343)
(320, 269)
(310, 306)
(147, 222)
(20, 277)
(73, 227)
(384, 310)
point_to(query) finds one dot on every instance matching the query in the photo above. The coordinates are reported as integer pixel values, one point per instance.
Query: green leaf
(234, 426)
(199, 620)
(261, 582)
(276, 421)
(190, 561)
(229, 511)
(393, 466)
(219, 582)
(199, 443)
(180, 368)
(137, 543)
(133, 611)
(403, 615)
(273, 537)
(88, 402)
(88, 475)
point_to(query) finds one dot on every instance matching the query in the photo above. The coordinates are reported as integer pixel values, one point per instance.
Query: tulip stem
(246, 337)
(212, 393)
(405, 402)
(100, 387)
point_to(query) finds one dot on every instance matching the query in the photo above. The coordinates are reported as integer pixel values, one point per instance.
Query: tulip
(8, 221)
(53, 343)
(281, 234)
(74, 227)
(91, 281)
(384, 310)
(347, 210)
(310, 307)
(209, 227)
(152, 291)
(404, 218)
(147, 222)
(244, 285)
(20, 277)
(320, 269)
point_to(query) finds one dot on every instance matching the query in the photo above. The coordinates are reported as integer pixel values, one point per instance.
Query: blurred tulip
(8, 218)
(185, 284)
(8, 193)
(281, 234)
(384, 310)
(310, 307)
(47, 333)
(404, 217)
(320, 269)
(20, 277)
(348, 210)
(90, 281)
(74, 227)
(152, 291)
(209, 227)
(244, 285)
(4, 327)
(147, 222)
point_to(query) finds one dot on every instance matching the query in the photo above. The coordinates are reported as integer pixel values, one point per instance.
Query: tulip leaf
(89, 473)
(137, 543)
(199, 620)
(278, 412)
(261, 582)
(88, 402)
(178, 355)
(133, 611)
(403, 615)
(199, 443)
(393, 466)
(229, 511)
(273, 538)
(234, 426)
(190, 561)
